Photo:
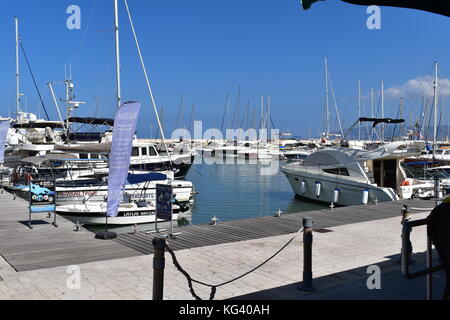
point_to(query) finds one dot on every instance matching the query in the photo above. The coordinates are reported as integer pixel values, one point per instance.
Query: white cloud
(418, 86)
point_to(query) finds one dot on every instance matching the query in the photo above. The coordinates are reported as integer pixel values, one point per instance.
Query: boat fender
(365, 197)
(335, 195)
(15, 177)
(318, 189)
(303, 187)
(28, 178)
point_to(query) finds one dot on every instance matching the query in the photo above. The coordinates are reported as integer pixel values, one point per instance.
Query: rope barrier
(422, 209)
(214, 287)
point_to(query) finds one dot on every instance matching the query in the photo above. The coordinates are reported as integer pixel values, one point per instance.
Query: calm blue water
(233, 192)
(239, 191)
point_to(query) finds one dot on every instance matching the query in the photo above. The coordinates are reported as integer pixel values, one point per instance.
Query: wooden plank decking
(263, 227)
(46, 246)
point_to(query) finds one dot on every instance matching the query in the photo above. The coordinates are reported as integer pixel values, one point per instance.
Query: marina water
(240, 191)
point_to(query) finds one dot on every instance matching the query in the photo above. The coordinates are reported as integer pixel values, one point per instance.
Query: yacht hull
(350, 193)
(91, 216)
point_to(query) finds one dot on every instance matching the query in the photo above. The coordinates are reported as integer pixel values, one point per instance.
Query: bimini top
(93, 121)
(49, 157)
(86, 148)
(39, 125)
(340, 156)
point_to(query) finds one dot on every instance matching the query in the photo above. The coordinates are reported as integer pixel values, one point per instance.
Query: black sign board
(164, 201)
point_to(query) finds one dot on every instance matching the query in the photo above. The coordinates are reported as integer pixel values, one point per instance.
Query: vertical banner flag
(4, 127)
(122, 144)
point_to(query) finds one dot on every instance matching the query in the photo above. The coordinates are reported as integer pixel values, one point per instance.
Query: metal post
(407, 249)
(159, 263)
(30, 205)
(430, 274)
(307, 284)
(54, 205)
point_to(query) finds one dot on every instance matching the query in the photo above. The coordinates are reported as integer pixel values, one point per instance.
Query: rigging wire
(147, 80)
(34, 80)
(83, 40)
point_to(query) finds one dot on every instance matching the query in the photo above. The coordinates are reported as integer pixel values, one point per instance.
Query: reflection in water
(239, 191)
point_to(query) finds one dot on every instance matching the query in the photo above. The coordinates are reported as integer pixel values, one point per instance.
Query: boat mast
(372, 105)
(269, 111)
(16, 20)
(359, 109)
(327, 104)
(116, 36)
(382, 110)
(436, 178)
(435, 109)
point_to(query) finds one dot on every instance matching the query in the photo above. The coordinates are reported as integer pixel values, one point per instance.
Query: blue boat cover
(40, 209)
(140, 178)
(421, 163)
(38, 190)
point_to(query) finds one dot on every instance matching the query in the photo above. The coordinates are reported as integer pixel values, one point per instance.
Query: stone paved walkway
(340, 259)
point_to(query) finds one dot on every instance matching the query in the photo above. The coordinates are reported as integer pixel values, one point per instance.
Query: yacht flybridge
(348, 177)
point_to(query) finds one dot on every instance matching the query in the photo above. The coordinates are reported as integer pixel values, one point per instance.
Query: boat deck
(46, 246)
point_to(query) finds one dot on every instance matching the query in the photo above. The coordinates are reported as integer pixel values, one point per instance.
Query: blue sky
(206, 48)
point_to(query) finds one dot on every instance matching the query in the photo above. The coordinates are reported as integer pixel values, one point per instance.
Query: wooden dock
(263, 227)
(46, 246)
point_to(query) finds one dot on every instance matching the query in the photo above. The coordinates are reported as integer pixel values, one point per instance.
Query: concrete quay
(341, 256)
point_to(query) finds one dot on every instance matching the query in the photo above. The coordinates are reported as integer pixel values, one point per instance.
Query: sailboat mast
(359, 109)
(382, 110)
(16, 20)
(327, 103)
(372, 105)
(435, 109)
(117, 42)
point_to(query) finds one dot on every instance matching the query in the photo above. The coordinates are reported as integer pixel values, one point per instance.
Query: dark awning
(92, 121)
(377, 121)
(435, 6)
(39, 125)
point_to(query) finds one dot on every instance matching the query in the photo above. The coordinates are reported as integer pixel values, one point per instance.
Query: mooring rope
(214, 287)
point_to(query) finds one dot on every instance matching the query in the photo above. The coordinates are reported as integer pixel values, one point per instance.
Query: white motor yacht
(348, 177)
